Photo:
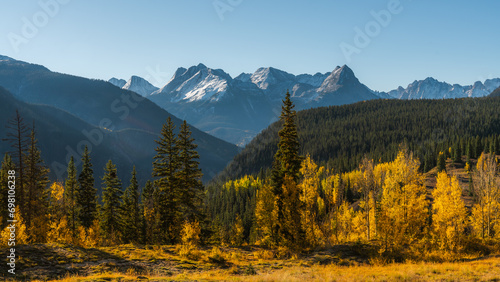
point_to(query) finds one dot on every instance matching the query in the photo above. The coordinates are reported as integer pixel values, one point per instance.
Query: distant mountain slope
(117, 82)
(60, 135)
(237, 109)
(495, 93)
(341, 135)
(99, 102)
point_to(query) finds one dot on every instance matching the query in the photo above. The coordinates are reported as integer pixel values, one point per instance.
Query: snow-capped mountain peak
(140, 86)
(265, 77)
(196, 83)
(338, 77)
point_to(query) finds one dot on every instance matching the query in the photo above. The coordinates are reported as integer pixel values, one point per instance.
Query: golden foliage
(310, 199)
(403, 205)
(485, 216)
(449, 213)
(89, 238)
(190, 234)
(21, 234)
(237, 232)
(265, 215)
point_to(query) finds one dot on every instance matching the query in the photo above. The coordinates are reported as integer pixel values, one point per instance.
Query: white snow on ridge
(204, 85)
(140, 86)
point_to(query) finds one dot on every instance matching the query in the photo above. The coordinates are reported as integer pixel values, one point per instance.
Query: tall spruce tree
(36, 191)
(165, 168)
(189, 175)
(132, 219)
(18, 137)
(286, 166)
(70, 198)
(87, 193)
(457, 152)
(111, 211)
(441, 162)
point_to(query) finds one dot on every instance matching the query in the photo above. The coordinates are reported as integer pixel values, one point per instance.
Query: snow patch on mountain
(140, 86)
(265, 77)
(195, 84)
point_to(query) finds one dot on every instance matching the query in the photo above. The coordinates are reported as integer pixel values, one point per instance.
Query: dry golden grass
(486, 269)
(355, 262)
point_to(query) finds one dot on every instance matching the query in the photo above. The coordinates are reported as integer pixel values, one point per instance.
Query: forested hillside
(339, 136)
(134, 120)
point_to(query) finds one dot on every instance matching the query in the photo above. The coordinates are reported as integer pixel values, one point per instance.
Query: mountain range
(72, 111)
(237, 109)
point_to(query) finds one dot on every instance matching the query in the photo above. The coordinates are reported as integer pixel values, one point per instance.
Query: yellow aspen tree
(346, 225)
(190, 234)
(368, 188)
(237, 232)
(20, 231)
(265, 215)
(333, 192)
(309, 197)
(449, 213)
(59, 230)
(486, 211)
(403, 205)
(90, 237)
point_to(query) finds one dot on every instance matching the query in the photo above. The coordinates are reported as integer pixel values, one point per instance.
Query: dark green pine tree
(189, 176)
(492, 146)
(457, 153)
(111, 213)
(18, 137)
(470, 150)
(86, 198)
(286, 165)
(70, 198)
(132, 219)
(165, 168)
(148, 212)
(36, 190)
(479, 147)
(7, 165)
(441, 162)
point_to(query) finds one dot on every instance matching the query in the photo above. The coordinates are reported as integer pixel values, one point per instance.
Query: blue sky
(453, 41)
